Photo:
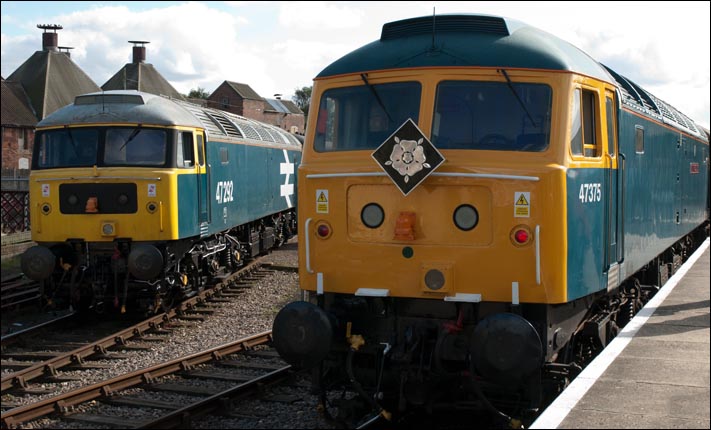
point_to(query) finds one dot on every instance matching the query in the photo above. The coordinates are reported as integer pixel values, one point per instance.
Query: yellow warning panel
(322, 201)
(522, 204)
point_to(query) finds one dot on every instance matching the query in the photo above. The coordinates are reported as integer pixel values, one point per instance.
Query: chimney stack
(50, 41)
(139, 52)
(67, 53)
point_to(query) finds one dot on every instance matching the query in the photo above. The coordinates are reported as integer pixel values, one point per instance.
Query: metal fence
(15, 201)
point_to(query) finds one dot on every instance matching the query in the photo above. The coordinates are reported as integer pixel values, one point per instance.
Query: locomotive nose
(302, 334)
(506, 348)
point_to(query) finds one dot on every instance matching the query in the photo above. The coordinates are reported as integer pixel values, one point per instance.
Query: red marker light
(323, 230)
(521, 236)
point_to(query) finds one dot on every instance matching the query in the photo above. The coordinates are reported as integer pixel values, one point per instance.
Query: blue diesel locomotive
(482, 206)
(137, 196)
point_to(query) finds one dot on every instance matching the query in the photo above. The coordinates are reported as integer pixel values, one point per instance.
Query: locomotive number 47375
(224, 192)
(590, 193)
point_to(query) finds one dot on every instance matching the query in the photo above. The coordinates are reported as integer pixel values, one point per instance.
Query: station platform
(655, 373)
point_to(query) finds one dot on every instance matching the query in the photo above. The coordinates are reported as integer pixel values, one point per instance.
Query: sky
(278, 47)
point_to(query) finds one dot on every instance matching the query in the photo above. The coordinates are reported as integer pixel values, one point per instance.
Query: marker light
(521, 235)
(323, 230)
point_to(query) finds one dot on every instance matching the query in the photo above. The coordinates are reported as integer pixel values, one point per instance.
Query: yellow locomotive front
(104, 198)
(423, 235)
(74, 198)
(474, 228)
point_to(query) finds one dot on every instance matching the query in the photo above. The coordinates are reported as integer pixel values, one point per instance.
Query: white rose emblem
(408, 157)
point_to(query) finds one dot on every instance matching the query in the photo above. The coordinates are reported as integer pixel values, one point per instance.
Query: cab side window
(584, 140)
(201, 149)
(610, 118)
(639, 139)
(186, 153)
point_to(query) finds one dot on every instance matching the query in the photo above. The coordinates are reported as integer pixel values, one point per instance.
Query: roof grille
(444, 23)
(263, 134)
(225, 124)
(248, 130)
(221, 123)
(201, 114)
(97, 99)
(634, 97)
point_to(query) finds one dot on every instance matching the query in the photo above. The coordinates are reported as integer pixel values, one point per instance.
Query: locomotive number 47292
(224, 192)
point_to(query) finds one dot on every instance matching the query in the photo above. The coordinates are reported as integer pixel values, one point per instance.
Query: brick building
(285, 115)
(18, 130)
(241, 99)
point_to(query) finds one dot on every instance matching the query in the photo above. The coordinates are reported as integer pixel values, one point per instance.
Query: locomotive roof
(135, 107)
(466, 40)
(123, 106)
(491, 41)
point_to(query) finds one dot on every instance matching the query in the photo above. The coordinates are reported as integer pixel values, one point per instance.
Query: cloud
(276, 47)
(319, 15)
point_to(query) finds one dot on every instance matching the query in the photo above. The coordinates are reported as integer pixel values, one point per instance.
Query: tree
(302, 99)
(198, 93)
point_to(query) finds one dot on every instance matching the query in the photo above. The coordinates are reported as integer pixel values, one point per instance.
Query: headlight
(466, 217)
(372, 215)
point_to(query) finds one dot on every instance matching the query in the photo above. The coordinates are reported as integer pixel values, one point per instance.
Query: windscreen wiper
(523, 106)
(72, 141)
(131, 137)
(377, 97)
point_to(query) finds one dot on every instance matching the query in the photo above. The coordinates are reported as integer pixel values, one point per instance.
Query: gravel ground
(253, 313)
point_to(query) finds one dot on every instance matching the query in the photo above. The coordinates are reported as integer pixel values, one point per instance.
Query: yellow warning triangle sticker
(522, 200)
(322, 198)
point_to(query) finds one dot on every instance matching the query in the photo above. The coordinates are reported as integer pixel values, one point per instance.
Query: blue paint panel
(586, 232)
(658, 185)
(250, 182)
(188, 224)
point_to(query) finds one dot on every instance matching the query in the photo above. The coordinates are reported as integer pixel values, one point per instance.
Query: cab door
(203, 178)
(612, 192)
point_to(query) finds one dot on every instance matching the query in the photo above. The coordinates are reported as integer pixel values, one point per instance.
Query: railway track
(19, 291)
(241, 384)
(67, 403)
(47, 369)
(133, 337)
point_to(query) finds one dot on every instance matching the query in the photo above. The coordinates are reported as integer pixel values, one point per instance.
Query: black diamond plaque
(408, 157)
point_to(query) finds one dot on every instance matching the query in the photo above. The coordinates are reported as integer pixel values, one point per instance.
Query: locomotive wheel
(82, 299)
(168, 300)
(167, 297)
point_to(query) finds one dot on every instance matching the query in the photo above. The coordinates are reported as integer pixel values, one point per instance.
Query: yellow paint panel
(477, 262)
(142, 225)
